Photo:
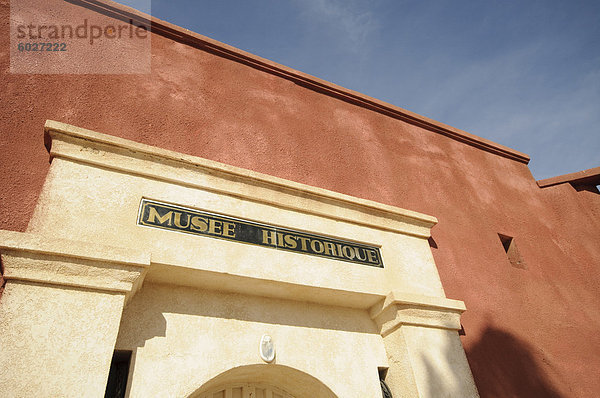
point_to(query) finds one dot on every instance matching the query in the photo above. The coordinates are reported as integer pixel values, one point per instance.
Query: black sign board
(177, 218)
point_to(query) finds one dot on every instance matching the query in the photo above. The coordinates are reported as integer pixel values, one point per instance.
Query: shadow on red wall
(505, 366)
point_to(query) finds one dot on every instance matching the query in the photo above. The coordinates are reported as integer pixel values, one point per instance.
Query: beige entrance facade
(87, 279)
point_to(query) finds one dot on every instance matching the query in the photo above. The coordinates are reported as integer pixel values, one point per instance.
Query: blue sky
(525, 74)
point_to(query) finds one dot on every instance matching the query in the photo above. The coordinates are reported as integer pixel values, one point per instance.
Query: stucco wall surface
(32, 364)
(529, 332)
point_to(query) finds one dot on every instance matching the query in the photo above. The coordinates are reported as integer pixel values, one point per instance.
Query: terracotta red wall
(528, 332)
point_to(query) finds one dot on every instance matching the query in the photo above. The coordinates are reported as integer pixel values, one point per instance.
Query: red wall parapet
(190, 38)
(584, 177)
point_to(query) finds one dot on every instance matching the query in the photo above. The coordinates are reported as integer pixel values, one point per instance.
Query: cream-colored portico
(86, 279)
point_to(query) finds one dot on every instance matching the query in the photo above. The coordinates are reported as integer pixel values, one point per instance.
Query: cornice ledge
(61, 132)
(40, 259)
(399, 309)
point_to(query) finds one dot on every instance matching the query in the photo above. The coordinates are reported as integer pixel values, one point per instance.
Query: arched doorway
(263, 381)
(246, 390)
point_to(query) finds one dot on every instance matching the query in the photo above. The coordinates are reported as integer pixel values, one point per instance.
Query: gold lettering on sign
(153, 215)
(199, 224)
(314, 244)
(214, 227)
(178, 218)
(348, 252)
(372, 256)
(303, 240)
(228, 229)
(357, 251)
(330, 249)
(268, 237)
(290, 241)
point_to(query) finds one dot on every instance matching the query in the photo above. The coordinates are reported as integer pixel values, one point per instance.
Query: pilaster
(60, 313)
(425, 355)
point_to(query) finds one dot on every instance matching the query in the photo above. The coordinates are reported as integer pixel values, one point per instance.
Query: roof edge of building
(589, 176)
(186, 36)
